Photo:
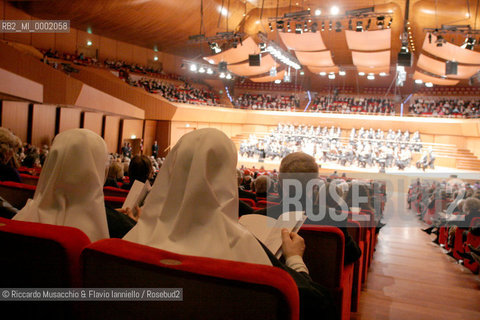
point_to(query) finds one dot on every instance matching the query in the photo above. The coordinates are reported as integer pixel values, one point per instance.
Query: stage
(353, 171)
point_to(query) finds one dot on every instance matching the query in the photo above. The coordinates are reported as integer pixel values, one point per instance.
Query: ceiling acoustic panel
(371, 59)
(438, 81)
(315, 59)
(279, 76)
(450, 51)
(317, 70)
(369, 40)
(307, 41)
(235, 55)
(243, 69)
(439, 67)
(375, 70)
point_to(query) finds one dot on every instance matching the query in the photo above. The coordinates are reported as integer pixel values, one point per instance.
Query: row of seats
(118, 263)
(48, 256)
(460, 244)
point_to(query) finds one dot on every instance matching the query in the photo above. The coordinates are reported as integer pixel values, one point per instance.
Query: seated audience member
(262, 183)
(70, 188)
(8, 145)
(303, 167)
(241, 192)
(140, 168)
(363, 194)
(192, 209)
(115, 174)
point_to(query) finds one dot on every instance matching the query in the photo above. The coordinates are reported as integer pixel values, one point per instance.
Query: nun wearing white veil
(70, 188)
(192, 208)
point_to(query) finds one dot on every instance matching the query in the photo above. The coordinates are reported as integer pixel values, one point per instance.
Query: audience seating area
(456, 223)
(467, 107)
(267, 102)
(350, 104)
(209, 279)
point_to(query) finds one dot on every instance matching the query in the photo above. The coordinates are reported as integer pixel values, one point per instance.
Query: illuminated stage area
(370, 172)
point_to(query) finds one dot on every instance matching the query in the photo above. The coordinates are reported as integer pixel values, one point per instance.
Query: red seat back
(265, 204)
(213, 288)
(29, 179)
(248, 201)
(16, 193)
(37, 255)
(115, 192)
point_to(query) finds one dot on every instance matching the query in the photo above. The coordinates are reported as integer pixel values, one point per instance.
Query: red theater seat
(16, 193)
(355, 230)
(324, 256)
(248, 201)
(475, 242)
(265, 204)
(114, 202)
(212, 288)
(29, 179)
(36, 255)
(115, 192)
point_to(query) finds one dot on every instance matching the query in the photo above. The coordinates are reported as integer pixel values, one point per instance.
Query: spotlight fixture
(298, 28)
(469, 43)
(334, 10)
(428, 84)
(201, 70)
(331, 76)
(419, 81)
(228, 76)
(262, 46)
(193, 67)
(330, 25)
(222, 75)
(338, 26)
(323, 73)
(277, 81)
(209, 71)
(342, 73)
(323, 25)
(439, 41)
(382, 74)
(155, 58)
(359, 26)
(380, 22)
(390, 23)
(89, 43)
(361, 73)
(214, 47)
(371, 76)
(318, 12)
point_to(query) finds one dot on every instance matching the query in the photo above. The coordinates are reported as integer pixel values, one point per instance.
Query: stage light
(209, 71)
(419, 81)
(428, 84)
(323, 25)
(298, 28)
(361, 73)
(440, 41)
(318, 12)
(330, 25)
(323, 73)
(302, 73)
(469, 43)
(331, 76)
(155, 58)
(338, 27)
(359, 26)
(222, 75)
(223, 11)
(334, 10)
(89, 43)
(350, 24)
(305, 27)
(278, 81)
(193, 67)
(371, 76)
(382, 74)
(342, 73)
(201, 70)
(228, 76)
(380, 22)
(214, 47)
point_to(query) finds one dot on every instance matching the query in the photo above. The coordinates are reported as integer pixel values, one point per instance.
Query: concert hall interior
(148, 144)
